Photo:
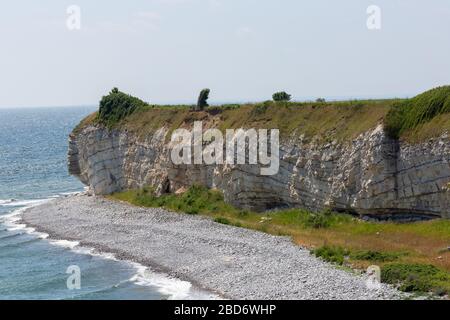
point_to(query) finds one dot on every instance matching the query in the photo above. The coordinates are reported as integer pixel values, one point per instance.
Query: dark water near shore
(33, 147)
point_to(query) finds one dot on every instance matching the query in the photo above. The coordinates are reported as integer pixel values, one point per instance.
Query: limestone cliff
(370, 175)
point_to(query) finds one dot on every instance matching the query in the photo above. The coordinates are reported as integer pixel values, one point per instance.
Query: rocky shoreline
(233, 262)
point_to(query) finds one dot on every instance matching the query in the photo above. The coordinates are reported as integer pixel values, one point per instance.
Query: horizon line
(218, 102)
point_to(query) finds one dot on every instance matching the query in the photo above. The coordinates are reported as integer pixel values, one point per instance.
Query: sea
(33, 169)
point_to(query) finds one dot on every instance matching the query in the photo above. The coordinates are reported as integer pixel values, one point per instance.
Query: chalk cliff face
(372, 175)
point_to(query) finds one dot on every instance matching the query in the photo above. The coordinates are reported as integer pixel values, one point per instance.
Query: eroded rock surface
(372, 175)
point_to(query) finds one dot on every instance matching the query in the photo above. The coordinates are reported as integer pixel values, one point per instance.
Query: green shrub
(281, 96)
(261, 108)
(196, 200)
(321, 220)
(203, 99)
(331, 254)
(318, 221)
(371, 255)
(222, 220)
(420, 109)
(117, 106)
(416, 277)
(306, 219)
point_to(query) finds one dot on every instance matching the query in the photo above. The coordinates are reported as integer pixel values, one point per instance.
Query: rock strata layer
(373, 175)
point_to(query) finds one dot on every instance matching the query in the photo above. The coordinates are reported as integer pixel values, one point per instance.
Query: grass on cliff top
(324, 121)
(415, 120)
(89, 120)
(352, 241)
(410, 115)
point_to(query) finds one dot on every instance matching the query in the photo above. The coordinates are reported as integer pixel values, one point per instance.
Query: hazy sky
(244, 50)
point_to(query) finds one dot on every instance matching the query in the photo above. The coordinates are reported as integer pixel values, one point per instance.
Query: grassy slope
(367, 243)
(431, 129)
(410, 117)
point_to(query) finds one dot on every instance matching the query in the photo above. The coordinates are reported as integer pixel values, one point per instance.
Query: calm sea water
(33, 148)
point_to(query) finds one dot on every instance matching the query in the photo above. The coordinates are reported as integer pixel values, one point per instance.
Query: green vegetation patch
(331, 254)
(338, 255)
(319, 220)
(309, 220)
(222, 220)
(281, 96)
(376, 256)
(409, 114)
(416, 278)
(201, 200)
(408, 277)
(117, 106)
(197, 200)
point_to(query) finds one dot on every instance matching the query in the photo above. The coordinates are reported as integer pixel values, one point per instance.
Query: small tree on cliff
(116, 106)
(203, 99)
(281, 96)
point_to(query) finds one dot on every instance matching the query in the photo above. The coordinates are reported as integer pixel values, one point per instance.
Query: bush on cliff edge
(117, 106)
(409, 114)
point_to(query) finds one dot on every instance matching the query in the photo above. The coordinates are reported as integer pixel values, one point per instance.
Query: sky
(166, 51)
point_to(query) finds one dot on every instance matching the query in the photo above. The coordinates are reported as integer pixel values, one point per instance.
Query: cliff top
(417, 119)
